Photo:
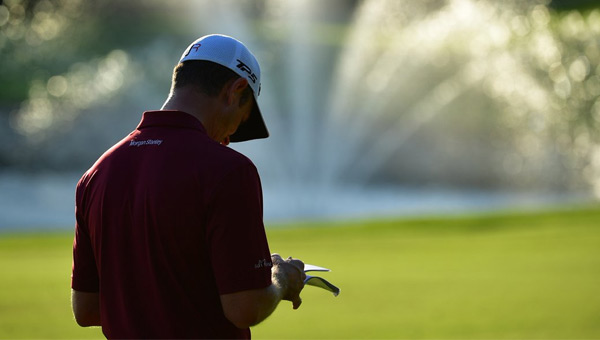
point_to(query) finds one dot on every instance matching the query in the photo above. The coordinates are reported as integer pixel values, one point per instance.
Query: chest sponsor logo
(139, 143)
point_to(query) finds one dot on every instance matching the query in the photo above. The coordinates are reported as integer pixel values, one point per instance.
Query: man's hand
(249, 307)
(289, 275)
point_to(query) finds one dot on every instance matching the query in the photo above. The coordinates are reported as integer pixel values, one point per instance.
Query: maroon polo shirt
(167, 220)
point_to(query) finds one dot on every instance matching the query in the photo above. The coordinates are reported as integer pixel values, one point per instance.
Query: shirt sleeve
(236, 236)
(84, 273)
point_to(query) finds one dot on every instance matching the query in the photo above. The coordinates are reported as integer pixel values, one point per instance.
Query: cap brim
(253, 128)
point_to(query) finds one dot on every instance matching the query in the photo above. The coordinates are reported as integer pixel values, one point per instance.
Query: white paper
(312, 267)
(319, 281)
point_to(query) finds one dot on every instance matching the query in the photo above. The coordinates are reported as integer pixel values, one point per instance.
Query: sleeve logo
(263, 263)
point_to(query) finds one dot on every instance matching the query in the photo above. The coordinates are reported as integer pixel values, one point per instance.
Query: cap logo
(194, 47)
(246, 69)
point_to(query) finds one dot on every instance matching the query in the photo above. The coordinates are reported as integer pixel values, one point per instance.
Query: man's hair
(207, 76)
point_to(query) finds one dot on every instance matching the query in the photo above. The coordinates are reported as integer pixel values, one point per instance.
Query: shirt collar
(170, 118)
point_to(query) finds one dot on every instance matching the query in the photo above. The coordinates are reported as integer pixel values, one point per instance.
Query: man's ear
(235, 90)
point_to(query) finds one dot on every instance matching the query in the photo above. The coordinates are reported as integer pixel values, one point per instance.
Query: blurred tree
(40, 38)
(61, 57)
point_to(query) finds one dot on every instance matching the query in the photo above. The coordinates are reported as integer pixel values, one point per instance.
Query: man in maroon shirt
(169, 240)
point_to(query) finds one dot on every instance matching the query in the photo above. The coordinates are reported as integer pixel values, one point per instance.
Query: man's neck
(192, 102)
(195, 103)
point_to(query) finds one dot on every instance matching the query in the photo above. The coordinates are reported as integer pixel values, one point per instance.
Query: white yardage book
(319, 281)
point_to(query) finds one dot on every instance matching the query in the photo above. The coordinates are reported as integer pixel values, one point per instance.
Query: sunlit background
(442, 157)
(375, 107)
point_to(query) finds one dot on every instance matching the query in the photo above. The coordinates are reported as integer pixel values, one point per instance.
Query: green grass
(509, 276)
(35, 288)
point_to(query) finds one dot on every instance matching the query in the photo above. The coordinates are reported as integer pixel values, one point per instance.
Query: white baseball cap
(232, 53)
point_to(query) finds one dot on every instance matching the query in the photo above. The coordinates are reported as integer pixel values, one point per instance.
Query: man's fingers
(296, 263)
(296, 303)
(276, 258)
(294, 277)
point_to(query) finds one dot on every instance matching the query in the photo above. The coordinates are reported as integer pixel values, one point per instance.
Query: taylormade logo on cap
(245, 68)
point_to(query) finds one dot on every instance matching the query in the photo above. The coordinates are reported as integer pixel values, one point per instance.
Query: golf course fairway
(487, 276)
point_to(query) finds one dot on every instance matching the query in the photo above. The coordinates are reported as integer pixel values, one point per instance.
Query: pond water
(46, 202)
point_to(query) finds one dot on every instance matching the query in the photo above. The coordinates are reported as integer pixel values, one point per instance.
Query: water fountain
(443, 94)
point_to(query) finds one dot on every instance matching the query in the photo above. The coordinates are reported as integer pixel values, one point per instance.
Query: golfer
(169, 240)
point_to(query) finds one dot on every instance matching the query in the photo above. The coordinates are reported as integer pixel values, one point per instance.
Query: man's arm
(86, 308)
(250, 307)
